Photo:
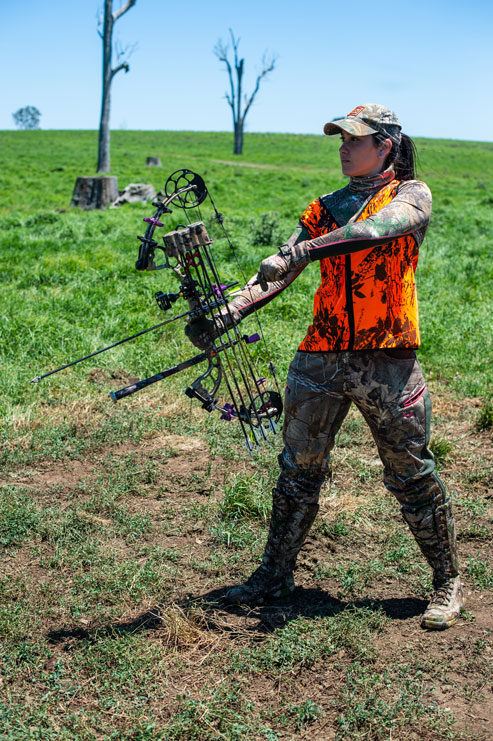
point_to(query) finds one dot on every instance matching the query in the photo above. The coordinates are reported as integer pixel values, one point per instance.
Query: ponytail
(403, 156)
(405, 161)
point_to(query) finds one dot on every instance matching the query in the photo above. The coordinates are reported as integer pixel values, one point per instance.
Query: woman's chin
(348, 169)
(353, 172)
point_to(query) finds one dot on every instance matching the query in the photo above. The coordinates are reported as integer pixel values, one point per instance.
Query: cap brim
(350, 126)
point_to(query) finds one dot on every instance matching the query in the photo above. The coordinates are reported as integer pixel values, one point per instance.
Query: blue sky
(431, 62)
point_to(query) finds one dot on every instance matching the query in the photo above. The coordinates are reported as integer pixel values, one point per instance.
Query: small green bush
(484, 419)
(440, 449)
(481, 572)
(246, 499)
(266, 229)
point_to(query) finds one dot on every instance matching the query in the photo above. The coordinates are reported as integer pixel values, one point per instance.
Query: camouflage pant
(390, 393)
(389, 390)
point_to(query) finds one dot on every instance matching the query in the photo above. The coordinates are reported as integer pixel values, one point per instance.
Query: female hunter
(360, 348)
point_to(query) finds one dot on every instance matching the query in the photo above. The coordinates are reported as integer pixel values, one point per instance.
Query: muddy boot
(290, 522)
(433, 527)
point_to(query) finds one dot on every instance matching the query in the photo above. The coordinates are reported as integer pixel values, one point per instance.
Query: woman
(360, 348)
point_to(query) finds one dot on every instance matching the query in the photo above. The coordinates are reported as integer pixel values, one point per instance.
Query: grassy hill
(120, 525)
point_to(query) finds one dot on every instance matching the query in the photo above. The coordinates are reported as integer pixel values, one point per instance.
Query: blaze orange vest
(367, 300)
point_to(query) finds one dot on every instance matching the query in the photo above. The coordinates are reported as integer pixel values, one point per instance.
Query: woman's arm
(408, 213)
(244, 302)
(254, 296)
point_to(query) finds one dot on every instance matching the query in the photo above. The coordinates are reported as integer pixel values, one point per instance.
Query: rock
(133, 193)
(153, 162)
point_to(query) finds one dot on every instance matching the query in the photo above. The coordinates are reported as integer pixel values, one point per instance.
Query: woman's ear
(384, 148)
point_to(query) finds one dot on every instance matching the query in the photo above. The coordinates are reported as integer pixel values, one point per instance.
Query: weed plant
(484, 420)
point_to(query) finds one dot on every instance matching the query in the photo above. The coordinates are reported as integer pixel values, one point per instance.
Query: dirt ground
(455, 664)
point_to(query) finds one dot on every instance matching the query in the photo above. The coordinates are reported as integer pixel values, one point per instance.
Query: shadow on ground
(262, 619)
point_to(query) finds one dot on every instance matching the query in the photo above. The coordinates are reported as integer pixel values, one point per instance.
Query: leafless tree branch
(123, 53)
(124, 66)
(221, 51)
(118, 13)
(100, 21)
(268, 64)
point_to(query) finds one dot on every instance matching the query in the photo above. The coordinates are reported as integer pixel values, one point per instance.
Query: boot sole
(428, 624)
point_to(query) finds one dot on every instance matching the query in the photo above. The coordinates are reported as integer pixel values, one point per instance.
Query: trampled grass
(121, 525)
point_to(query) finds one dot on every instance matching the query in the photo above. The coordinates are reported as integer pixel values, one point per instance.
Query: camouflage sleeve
(252, 297)
(408, 213)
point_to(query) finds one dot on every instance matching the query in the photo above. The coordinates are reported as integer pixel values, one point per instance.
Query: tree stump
(153, 162)
(95, 192)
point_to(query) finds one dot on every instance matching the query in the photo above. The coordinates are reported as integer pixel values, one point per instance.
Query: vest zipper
(349, 299)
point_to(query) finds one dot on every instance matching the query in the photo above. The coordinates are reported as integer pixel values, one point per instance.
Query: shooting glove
(201, 333)
(204, 331)
(275, 267)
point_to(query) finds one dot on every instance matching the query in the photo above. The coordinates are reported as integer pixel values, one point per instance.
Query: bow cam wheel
(186, 179)
(268, 405)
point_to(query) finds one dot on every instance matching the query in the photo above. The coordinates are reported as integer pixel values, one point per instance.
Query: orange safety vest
(367, 300)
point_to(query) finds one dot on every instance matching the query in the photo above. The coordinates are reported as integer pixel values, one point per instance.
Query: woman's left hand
(275, 267)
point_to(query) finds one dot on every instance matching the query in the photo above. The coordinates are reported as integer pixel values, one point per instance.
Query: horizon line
(224, 131)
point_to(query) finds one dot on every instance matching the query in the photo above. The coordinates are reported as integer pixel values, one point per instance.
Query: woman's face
(359, 155)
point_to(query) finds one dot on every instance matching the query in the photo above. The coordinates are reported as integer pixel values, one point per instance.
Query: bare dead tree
(234, 97)
(105, 30)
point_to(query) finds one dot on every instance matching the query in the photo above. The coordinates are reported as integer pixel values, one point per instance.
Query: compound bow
(188, 253)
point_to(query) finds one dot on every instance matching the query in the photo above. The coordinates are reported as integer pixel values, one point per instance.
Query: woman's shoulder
(320, 215)
(414, 188)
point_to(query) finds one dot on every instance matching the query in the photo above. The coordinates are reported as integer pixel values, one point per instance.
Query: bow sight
(187, 251)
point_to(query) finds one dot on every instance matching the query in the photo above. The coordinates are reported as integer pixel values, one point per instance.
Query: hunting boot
(433, 527)
(290, 522)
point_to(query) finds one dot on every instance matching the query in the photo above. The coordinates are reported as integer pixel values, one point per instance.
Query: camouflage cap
(370, 118)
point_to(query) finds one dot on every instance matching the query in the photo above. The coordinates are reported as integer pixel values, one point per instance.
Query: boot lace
(443, 594)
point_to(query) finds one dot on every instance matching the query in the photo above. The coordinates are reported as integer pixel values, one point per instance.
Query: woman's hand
(276, 267)
(201, 333)
(271, 269)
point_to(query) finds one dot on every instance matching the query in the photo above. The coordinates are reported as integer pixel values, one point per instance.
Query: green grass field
(120, 525)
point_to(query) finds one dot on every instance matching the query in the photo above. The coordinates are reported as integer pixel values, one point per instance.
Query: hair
(403, 156)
